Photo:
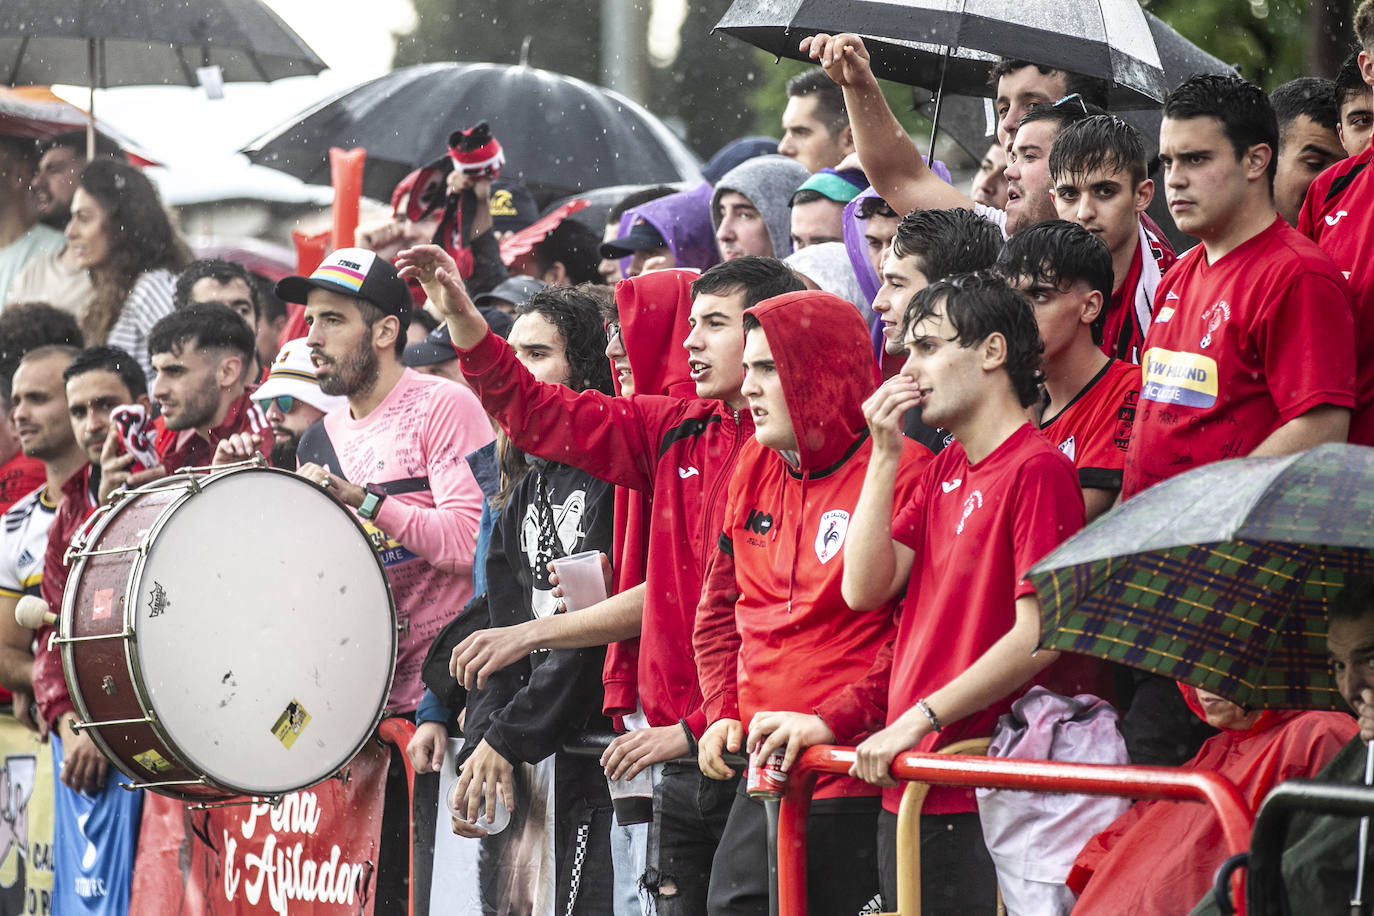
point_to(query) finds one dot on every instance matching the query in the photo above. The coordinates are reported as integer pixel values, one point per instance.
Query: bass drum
(227, 634)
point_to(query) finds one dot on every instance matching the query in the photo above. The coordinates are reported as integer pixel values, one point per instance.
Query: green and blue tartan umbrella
(1221, 577)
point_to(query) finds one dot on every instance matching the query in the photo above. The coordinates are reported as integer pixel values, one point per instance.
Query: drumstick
(32, 612)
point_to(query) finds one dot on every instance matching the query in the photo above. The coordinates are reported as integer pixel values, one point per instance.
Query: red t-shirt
(1343, 227)
(976, 529)
(18, 476)
(1095, 429)
(1237, 349)
(1133, 303)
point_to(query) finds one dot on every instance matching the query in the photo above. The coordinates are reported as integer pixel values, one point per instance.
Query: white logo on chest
(830, 534)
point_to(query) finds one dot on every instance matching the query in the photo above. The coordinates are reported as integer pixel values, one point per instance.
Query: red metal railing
(997, 773)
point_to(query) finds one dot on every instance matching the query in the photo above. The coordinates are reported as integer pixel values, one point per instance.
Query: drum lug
(135, 786)
(108, 685)
(82, 726)
(272, 801)
(343, 776)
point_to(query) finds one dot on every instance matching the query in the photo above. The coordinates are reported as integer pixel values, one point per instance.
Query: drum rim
(142, 694)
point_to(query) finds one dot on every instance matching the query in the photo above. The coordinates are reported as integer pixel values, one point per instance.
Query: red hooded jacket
(682, 451)
(653, 311)
(772, 631)
(1161, 857)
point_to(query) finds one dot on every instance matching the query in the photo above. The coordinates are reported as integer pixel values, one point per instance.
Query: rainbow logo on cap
(347, 268)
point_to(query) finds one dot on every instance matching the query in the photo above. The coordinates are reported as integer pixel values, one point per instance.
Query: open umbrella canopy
(560, 135)
(104, 43)
(969, 122)
(1221, 577)
(1107, 39)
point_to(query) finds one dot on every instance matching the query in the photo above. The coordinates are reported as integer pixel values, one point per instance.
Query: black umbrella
(966, 119)
(560, 135)
(104, 43)
(947, 41)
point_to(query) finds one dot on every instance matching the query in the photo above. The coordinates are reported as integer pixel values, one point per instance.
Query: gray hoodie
(768, 183)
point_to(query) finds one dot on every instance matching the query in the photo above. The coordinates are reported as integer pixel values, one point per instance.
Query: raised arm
(890, 159)
(876, 566)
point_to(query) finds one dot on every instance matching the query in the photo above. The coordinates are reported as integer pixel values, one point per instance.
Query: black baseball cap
(354, 272)
(641, 237)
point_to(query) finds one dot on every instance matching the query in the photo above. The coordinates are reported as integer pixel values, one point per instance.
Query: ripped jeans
(690, 811)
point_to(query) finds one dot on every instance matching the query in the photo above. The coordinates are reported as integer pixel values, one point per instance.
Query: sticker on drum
(152, 761)
(290, 723)
(259, 599)
(104, 602)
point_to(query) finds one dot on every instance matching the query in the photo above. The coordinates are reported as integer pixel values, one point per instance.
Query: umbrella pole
(1357, 901)
(90, 99)
(939, 99)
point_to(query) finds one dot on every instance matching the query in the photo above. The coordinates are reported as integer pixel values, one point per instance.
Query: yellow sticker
(291, 723)
(153, 762)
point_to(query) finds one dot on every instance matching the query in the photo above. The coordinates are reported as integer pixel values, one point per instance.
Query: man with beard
(202, 354)
(394, 452)
(292, 401)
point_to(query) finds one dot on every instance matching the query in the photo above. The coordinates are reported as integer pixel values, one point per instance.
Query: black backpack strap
(315, 447)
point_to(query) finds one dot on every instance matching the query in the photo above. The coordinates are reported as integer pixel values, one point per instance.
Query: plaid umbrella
(1221, 577)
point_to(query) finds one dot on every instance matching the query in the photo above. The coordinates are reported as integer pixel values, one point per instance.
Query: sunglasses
(612, 331)
(285, 403)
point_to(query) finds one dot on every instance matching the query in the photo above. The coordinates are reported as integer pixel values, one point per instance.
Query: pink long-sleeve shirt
(425, 538)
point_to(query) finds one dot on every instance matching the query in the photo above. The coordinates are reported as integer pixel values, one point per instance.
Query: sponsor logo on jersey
(1188, 379)
(949, 486)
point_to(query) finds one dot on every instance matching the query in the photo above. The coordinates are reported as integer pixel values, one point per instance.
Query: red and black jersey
(1334, 217)
(1094, 430)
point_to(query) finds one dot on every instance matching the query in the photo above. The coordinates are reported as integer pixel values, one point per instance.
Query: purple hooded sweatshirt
(684, 221)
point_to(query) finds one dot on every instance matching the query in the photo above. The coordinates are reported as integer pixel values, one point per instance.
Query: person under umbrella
(1320, 856)
(1160, 853)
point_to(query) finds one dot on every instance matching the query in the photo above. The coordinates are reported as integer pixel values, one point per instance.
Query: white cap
(293, 374)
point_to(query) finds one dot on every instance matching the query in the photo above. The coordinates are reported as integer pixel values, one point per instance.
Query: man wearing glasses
(292, 401)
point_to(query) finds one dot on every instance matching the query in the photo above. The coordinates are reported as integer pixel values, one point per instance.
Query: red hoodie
(773, 631)
(682, 451)
(1161, 857)
(653, 311)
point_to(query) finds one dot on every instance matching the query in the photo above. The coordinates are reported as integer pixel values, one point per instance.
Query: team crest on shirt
(972, 503)
(1219, 312)
(1069, 448)
(830, 534)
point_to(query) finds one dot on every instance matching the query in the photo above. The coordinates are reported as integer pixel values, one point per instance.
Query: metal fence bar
(997, 773)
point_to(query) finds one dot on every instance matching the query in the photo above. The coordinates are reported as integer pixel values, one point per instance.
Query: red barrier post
(999, 773)
(399, 732)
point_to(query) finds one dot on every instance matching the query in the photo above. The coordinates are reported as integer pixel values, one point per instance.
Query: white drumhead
(263, 632)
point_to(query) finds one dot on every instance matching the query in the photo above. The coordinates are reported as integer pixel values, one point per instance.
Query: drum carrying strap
(316, 447)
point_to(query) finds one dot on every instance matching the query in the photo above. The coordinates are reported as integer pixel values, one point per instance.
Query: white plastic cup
(581, 580)
(458, 807)
(633, 798)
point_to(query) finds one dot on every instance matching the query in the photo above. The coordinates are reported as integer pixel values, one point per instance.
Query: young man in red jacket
(684, 452)
(989, 506)
(776, 645)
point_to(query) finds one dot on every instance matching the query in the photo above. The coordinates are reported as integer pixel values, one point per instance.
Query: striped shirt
(149, 300)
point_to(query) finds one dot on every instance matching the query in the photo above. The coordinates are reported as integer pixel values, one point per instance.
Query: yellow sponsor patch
(291, 723)
(1187, 379)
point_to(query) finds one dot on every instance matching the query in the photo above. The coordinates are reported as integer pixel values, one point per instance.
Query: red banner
(315, 854)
